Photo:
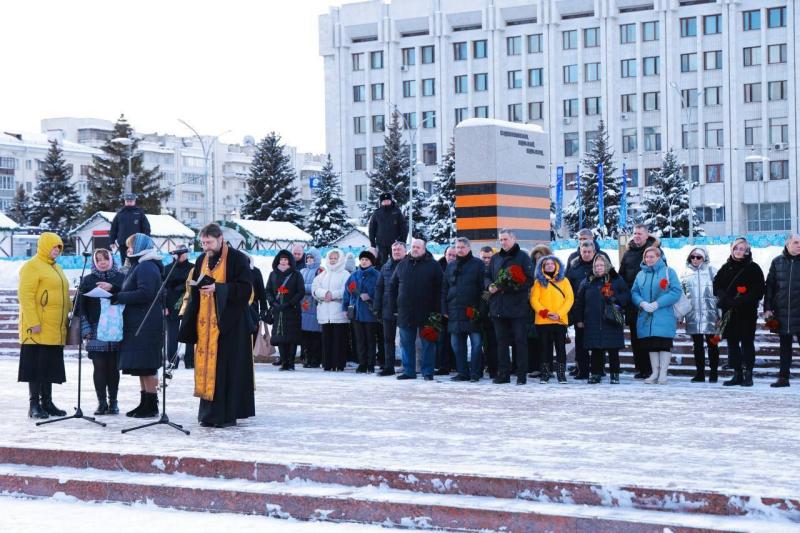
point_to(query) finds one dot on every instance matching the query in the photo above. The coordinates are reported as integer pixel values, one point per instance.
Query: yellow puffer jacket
(43, 296)
(551, 293)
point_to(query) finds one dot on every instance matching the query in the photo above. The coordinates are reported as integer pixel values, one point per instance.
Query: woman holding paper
(106, 276)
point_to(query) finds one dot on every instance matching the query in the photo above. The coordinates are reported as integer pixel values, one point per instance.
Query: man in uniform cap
(128, 221)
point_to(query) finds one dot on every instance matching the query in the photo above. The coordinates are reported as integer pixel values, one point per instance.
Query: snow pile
(267, 230)
(7, 223)
(160, 225)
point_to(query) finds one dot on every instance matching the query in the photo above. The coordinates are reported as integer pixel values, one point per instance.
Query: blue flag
(580, 200)
(600, 197)
(559, 195)
(623, 202)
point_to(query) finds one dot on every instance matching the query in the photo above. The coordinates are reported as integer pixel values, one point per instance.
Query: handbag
(262, 347)
(109, 326)
(613, 317)
(351, 312)
(682, 307)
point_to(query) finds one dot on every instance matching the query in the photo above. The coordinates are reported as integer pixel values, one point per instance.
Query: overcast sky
(250, 66)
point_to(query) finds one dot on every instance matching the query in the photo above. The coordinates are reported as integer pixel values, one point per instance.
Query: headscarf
(101, 275)
(142, 244)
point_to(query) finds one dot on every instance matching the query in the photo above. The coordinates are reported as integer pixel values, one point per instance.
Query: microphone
(180, 251)
(87, 254)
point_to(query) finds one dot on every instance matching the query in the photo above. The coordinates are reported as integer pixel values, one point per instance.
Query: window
(628, 67)
(479, 49)
(359, 125)
(752, 56)
(627, 33)
(712, 24)
(428, 87)
(481, 81)
(751, 20)
(650, 31)
(652, 139)
(689, 27)
(769, 217)
(712, 60)
(461, 84)
(752, 132)
(650, 101)
(377, 155)
(459, 51)
(376, 60)
(514, 45)
(714, 135)
(778, 130)
(688, 62)
(592, 105)
(428, 55)
(571, 107)
(378, 123)
(535, 110)
(377, 91)
(650, 66)
(428, 119)
(429, 153)
(481, 111)
(710, 214)
(84, 168)
(535, 77)
(10, 163)
(535, 43)
(357, 61)
(628, 140)
(776, 90)
(514, 79)
(570, 181)
(409, 88)
(591, 72)
(754, 171)
(409, 121)
(591, 138)
(409, 56)
(591, 37)
(570, 73)
(689, 136)
(714, 173)
(752, 92)
(650, 175)
(712, 96)
(695, 172)
(361, 193)
(779, 170)
(360, 158)
(776, 53)
(571, 144)
(628, 103)
(633, 177)
(462, 113)
(359, 93)
(776, 17)
(569, 39)
(515, 112)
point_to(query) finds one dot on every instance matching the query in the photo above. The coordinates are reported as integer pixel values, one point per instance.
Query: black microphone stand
(78, 410)
(164, 419)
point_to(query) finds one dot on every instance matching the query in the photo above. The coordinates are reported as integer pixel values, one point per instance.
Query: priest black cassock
(218, 322)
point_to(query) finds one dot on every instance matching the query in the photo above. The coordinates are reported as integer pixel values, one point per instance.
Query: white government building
(714, 79)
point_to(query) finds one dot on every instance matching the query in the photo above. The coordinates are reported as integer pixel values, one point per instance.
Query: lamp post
(758, 174)
(209, 176)
(690, 181)
(128, 143)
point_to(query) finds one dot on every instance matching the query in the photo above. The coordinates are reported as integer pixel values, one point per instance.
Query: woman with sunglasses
(701, 321)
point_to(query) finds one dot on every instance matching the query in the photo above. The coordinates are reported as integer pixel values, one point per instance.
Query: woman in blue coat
(311, 336)
(359, 293)
(602, 333)
(655, 290)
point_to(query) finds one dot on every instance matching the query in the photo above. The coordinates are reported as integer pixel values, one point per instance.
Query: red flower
(429, 334)
(663, 284)
(741, 289)
(517, 274)
(283, 290)
(352, 287)
(606, 290)
(715, 340)
(306, 305)
(773, 325)
(543, 313)
(470, 312)
(320, 270)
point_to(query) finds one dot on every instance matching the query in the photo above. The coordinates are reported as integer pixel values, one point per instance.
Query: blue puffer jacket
(309, 304)
(366, 280)
(647, 288)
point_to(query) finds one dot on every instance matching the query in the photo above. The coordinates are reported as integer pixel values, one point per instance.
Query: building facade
(715, 80)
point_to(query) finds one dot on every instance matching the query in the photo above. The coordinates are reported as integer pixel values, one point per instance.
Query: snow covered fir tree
(441, 226)
(271, 190)
(20, 209)
(327, 220)
(108, 174)
(599, 151)
(665, 203)
(56, 203)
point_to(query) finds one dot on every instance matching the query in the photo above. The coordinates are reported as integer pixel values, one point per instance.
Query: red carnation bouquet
(282, 290)
(512, 277)
(306, 305)
(352, 287)
(664, 283)
(715, 340)
(472, 314)
(430, 331)
(773, 325)
(741, 289)
(544, 312)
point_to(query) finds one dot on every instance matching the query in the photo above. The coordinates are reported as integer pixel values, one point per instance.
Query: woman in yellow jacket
(551, 299)
(44, 309)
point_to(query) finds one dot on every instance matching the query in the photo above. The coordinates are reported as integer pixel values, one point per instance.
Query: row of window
(751, 20)
(776, 53)
(360, 155)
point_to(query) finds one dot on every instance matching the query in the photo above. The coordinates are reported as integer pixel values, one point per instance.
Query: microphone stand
(164, 419)
(78, 410)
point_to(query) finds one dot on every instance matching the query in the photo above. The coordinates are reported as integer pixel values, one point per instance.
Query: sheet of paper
(97, 292)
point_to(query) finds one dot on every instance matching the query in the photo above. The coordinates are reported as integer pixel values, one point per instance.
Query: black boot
(699, 377)
(747, 380)
(35, 410)
(544, 373)
(47, 401)
(615, 378)
(132, 412)
(150, 406)
(561, 370)
(501, 379)
(102, 405)
(737, 379)
(780, 383)
(594, 379)
(113, 406)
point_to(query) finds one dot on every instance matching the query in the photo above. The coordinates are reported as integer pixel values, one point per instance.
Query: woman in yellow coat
(44, 309)
(551, 299)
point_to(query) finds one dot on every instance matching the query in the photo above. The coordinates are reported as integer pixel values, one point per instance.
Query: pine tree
(441, 227)
(599, 152)
(665, 204)
(108, 173)
(55, 204)
(271, 191)
(20, 210)
(327, 220)
(421, 200)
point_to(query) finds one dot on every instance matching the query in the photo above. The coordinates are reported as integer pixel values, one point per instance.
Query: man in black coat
(382, 307)
(630, 265)
(445, 357)
(510, 308)
(128, 220)
(487, 328)
(415, 293)
(585, 235)
(782, 301)
(386, 226)
(175, 286)
(578, 269)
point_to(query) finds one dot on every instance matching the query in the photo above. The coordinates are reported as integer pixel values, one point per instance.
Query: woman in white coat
(328, 289)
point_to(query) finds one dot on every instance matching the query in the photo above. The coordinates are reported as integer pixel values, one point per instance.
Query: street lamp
(690, 181)
(127, 142)
(210, 184)
(758, 174)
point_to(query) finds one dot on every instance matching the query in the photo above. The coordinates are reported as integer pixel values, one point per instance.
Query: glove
(113, 300)
(645, 306)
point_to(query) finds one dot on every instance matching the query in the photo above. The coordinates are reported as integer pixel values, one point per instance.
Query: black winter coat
(590, 306)
(259, 305)
(462, 287)
(578, 271)
(415, 290)
(510, 303)
(128, 220)
(631, 262)
(286, 311)
(381, 304)
(733, 274)
(176, 285)
(140, 287)
(387, 225)
(782, 295)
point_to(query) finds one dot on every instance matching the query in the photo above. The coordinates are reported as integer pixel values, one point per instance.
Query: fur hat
(369, 255)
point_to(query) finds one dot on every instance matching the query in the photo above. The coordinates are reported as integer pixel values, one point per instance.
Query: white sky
(250, 66)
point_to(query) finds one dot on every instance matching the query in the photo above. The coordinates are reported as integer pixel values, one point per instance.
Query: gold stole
(205, 355)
